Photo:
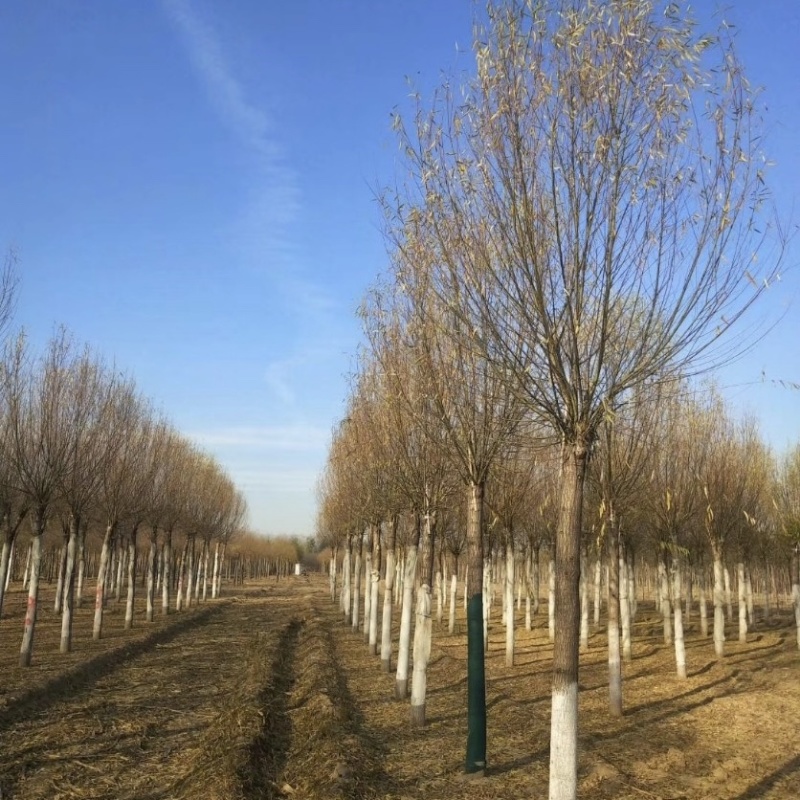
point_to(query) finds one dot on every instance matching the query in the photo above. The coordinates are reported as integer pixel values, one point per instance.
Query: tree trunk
(584, 601)
(388, 588)
(166, 578)
(152, 553)
(404, 643)
(551, 598)
(345, 596)
(796, 589)
(564, 708)
(188, 571)
(631, 579)
(357, 582)
(26, 650)
(451, 622)
(100, 585)
(423, 626)
(509, 602)
(215, 573)
(81, 565)
(624, 604)
(374, 586)
(677, 610)
(5, 565)
(121, 556)
(728, 594)
(62, 569)
(703, 603)
(719, 601)
(748, 585)
(332, 572)
(367, 589)
(69, 585)
(475, 763)
(614, 660)
(666, 605)
(742, 598)
(598, 580)
(131, 577)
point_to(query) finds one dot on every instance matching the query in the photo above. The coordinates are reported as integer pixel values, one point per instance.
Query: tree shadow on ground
(83, 677)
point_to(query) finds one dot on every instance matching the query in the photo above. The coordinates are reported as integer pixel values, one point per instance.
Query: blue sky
(189, 186)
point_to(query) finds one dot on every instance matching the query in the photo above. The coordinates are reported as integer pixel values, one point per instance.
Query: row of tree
(579, 230)
(80, 446)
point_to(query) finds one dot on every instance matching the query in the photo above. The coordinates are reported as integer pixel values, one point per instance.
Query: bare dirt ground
(265, 693)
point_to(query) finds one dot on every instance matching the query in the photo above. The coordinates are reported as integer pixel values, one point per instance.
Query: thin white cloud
(262, 229)
(285, 438)
(274, 203)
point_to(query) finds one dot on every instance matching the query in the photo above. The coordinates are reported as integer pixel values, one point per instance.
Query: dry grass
(266, 693)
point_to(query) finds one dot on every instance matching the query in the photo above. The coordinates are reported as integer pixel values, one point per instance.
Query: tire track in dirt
(268, 752)
(331, 752)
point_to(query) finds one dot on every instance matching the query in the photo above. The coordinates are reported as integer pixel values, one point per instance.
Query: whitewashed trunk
(79, 581)
(367, 595)
(666, 606)
(404, 643)
(332, 575)
(166, 578)
(509, 601)
(439, 596)
(27, 573)
(742, 598)
(215, 573)
(598, 580)
(62, 566)
(680, 647)
(386, 622)
(26, 650)
(152, 560)
(703, 604)
(551, 600)
(120, 571)
(399, 572)
(563, 743)
(346, 578)
(67, 603)
(625, 608)
(487, 606)
(5, 570)
(422, 653)
(748, 585)
(131, 580)
(728, 594)
(584, 590)
(719, 606)
(373, 610)
(631, 575)
(356, 590)
(451, 623)
(796, 603)
(206, 552)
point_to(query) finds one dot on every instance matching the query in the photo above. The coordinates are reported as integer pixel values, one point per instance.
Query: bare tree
(39, 446)
(787, 506)
(123, 422)
(602, 167)
(89, 402)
